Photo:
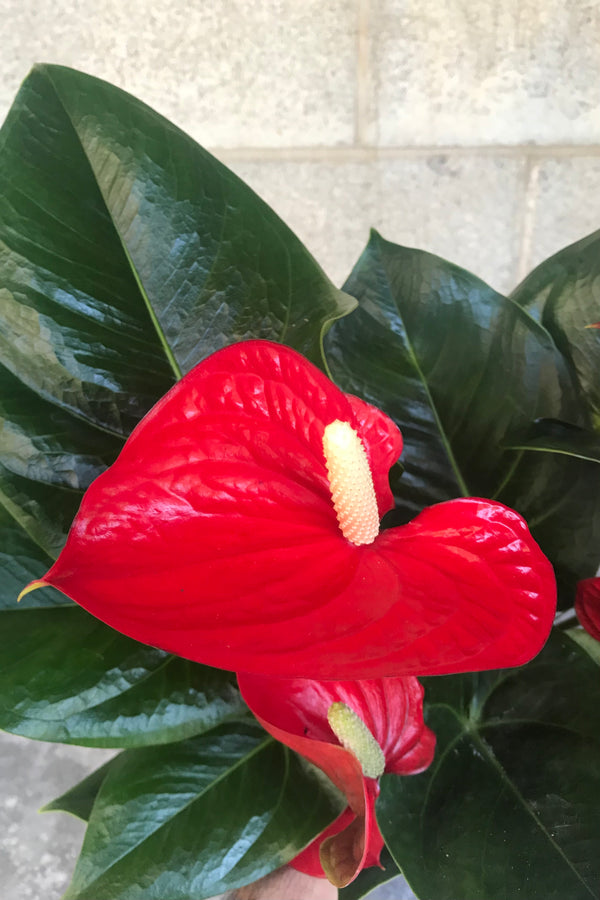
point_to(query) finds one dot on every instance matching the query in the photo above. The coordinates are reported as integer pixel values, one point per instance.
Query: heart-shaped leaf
(198, 817)
(127, 254)
(463, 371)
(68, 677)
(511, 804)
(562, 292)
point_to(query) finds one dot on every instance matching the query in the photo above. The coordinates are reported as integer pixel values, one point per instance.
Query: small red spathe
(295, 712)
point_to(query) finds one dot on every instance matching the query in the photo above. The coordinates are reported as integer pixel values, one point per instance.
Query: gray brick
(451, 72)
(252, 74)
(565, 207)
(465, 208)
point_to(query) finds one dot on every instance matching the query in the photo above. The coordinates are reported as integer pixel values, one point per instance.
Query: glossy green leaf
(79, 800)
(463, 371)
(510, 807)
(562, 292)
(195, 818)
(552, 436)
(127, 254)
(68, 677)
(457, 366)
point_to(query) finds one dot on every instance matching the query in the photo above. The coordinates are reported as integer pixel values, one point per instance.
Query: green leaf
(455, 364)
(562, 292)
(586, 642)
(510, 807)
(79, 800)
(552, 436)
(463, 371)
(68, 677)
(199, 817)
(127, 254)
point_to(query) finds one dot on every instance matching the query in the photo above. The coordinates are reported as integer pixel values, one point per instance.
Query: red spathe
(295, 712)
(214, 536)
(587, 605)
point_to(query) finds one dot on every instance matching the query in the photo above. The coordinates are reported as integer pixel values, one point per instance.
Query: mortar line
(371, 152)
(532, 173)
(363, 75)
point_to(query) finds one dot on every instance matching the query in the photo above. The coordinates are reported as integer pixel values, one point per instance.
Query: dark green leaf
(510, 806)
(22, 560)
(552, 436)
(68, 677)
(79, 800)
(556, 487)
(463, 370)
(586, 642)
(455, 364)
(559, 495)
(127, 254)
(202, 816)
(562, 292)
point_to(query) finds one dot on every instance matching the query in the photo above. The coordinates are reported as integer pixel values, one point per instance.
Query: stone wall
(464, 127)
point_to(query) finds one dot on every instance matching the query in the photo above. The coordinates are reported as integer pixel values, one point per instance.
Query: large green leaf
(198, 817)
(127, 254)
(510, 807)
(68, 677)
(464, 371)
(562, 292)
(456, 364)
(79, 801)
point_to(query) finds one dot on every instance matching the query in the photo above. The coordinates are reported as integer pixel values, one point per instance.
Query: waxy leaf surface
(198, 817)
(79, 800)
(127, 254)
(464, 372)
(562, 292)
(68, 677)
(214, 536)
(510, 806)
(552, 436)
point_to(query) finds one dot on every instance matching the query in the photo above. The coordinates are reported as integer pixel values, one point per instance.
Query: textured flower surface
(239, 527)
(354, 731)
(587, 605)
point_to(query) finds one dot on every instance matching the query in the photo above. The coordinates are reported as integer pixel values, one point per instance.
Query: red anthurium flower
(239, 527)
(587, 605)
(354, 731)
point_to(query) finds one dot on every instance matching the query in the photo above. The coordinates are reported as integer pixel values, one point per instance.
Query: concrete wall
(464, 127)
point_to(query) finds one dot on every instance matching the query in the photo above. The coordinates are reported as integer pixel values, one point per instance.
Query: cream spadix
(350, 483)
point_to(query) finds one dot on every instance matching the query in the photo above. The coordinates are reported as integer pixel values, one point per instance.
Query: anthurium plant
(311, 559)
